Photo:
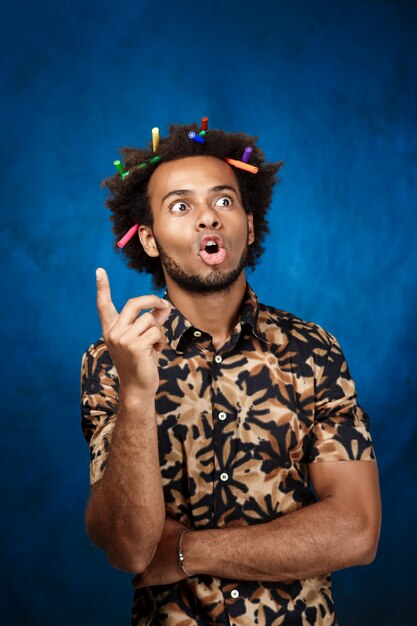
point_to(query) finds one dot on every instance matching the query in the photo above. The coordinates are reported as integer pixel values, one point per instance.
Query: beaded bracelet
(181, 555)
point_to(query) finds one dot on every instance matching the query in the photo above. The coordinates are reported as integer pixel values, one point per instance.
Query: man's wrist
(180, 554)
(131, 399)
(194, 552)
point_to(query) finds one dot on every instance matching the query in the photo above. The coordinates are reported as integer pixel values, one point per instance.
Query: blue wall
(328, 86)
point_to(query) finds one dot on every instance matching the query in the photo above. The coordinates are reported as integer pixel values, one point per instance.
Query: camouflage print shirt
(237, 429)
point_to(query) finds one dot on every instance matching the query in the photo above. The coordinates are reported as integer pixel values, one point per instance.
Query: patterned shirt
(237, 428)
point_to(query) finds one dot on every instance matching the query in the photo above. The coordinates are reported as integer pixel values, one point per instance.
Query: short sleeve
(340, 430)
(99, 404)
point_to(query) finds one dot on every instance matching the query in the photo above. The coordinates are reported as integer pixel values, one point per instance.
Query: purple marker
(246, 154)
(195, 137)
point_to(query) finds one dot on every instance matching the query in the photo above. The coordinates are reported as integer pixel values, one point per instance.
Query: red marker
(204, 123)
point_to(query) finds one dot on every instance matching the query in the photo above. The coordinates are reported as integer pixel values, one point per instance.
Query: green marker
(119, 167)
(154, 160)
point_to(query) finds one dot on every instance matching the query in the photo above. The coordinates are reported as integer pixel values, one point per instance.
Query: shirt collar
(177, 325)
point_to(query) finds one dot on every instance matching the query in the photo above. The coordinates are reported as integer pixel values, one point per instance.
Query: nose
(207, 218)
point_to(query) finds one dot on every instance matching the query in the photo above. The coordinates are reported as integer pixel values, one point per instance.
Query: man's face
(191, 198)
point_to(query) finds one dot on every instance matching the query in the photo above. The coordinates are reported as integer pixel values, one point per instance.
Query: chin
(195, 278)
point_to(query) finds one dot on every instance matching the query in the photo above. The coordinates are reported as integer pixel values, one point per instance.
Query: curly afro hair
(129, 202)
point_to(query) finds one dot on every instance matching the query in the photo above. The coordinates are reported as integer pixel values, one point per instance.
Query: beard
(217, 281)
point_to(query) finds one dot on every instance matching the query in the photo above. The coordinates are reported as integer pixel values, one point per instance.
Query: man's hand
(164, 568)
(133, 341)
(126, 510)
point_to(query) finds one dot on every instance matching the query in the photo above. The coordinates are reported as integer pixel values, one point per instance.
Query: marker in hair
(246, 154)
(120, 169)
(155, 138)
(204, 123)
(130, 233)
(118, 165)
(202, 133)
(195, 137)
(243, 166)
(151, 161)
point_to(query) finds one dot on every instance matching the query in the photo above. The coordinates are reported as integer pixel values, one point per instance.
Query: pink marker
(130, 233)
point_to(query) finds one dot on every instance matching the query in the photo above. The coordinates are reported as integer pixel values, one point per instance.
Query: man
(231, 466)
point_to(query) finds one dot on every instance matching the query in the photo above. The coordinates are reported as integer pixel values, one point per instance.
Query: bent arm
(126, 510)
(341, 530)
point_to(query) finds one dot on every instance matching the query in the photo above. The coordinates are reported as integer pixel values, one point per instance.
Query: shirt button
(218, 358)
(234, 593)
(224, 476)
(222, 416)
(197, 333)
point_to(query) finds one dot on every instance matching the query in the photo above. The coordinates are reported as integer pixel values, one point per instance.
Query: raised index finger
(106, 309)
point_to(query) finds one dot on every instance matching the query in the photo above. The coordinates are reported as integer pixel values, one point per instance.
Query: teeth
(211, 247)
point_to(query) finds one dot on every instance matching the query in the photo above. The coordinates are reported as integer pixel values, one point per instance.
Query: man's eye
(224, 201)
(179, 206)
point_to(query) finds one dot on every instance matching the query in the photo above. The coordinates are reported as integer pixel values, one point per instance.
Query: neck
(213, 313)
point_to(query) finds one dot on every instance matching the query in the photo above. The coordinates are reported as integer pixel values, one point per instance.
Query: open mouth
(212, 254)
(211, 248)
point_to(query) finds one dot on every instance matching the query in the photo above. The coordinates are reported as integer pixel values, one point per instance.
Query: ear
(147, 240)
(251, 231)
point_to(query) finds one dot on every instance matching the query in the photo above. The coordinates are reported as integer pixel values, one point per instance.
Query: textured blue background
(328, 86)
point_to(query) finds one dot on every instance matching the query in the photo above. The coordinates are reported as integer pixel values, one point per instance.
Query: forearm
(312, 541)
(126, 511)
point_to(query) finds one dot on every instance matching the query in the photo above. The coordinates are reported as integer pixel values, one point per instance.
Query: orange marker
(130, 233)
(243, 166)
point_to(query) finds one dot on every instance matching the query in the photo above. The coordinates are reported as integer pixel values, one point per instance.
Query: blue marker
(195, 137)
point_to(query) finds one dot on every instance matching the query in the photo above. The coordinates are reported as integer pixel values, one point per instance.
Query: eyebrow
(188, 192)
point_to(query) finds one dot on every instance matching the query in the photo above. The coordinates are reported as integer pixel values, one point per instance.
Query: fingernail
(165, 302)
(98, 274)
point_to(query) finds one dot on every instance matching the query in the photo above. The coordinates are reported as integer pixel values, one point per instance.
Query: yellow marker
(155, 138)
